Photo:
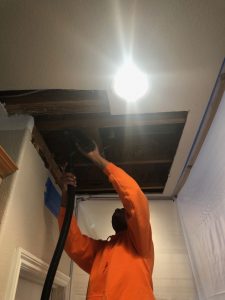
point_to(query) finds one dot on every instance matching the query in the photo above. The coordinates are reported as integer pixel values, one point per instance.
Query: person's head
(118, 220)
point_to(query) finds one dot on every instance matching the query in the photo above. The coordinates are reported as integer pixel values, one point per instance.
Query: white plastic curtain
(201, 205)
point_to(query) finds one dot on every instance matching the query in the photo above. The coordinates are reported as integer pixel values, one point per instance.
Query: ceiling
(76, 47)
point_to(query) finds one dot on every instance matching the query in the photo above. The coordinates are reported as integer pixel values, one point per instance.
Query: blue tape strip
(52, 198)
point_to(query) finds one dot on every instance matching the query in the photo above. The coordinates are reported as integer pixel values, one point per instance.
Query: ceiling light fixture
(130, 83)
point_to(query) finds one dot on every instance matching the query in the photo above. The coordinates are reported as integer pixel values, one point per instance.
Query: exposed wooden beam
(17, 96)
(7, 165)
(65, 107)
(103, 121)
(131, 163)
(46, 155)
(88, 190)
(55, 102)
(157, 187)
(146, 162)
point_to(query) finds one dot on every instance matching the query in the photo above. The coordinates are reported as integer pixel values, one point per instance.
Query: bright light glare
(130, 83)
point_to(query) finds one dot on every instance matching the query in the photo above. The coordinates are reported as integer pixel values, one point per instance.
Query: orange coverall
(120, 268)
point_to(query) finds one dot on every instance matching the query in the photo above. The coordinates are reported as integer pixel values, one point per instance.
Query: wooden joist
(67, 107)
(7, 165)
(111, 189)
(132, 163)
(55, 102)
(46, 155)
(103, 121)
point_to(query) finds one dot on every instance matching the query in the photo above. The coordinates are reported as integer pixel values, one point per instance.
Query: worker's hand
(89, 154)
(68, 179)
(94, 156)
(89, 149)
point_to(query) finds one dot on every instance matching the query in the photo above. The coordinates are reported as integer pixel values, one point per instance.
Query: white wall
(172, 275)
(27, 288)
(202, 210)
(25, 222)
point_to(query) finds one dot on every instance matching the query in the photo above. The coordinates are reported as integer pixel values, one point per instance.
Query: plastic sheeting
(172, 275)
(201, 205)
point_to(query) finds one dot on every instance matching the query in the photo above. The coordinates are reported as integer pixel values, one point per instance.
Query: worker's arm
(134, 202)
(136, 208)
(79, 247)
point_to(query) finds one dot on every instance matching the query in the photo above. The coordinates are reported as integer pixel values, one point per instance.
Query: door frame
(29, 266)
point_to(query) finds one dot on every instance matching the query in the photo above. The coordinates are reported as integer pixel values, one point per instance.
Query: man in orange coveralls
(120, 268)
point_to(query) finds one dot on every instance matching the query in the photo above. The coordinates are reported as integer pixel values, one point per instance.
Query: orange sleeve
(81, 248)
(136, 207)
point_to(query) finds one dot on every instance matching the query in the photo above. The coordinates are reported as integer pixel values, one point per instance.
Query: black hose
(87, 145)
(60, 244)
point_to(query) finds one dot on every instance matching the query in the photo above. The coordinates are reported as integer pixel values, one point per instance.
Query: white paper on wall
(201, 205)
(172, 276)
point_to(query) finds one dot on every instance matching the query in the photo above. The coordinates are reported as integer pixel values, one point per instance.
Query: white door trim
(27, 264)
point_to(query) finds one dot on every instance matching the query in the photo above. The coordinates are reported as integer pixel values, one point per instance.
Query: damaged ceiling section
(144, 145)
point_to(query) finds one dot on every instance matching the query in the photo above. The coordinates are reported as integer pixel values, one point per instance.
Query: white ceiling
(79, 45)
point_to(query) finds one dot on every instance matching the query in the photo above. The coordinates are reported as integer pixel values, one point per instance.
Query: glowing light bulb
(130, 83)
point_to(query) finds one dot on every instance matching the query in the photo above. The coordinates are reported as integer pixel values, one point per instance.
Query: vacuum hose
(77, 138)
(60, 244)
